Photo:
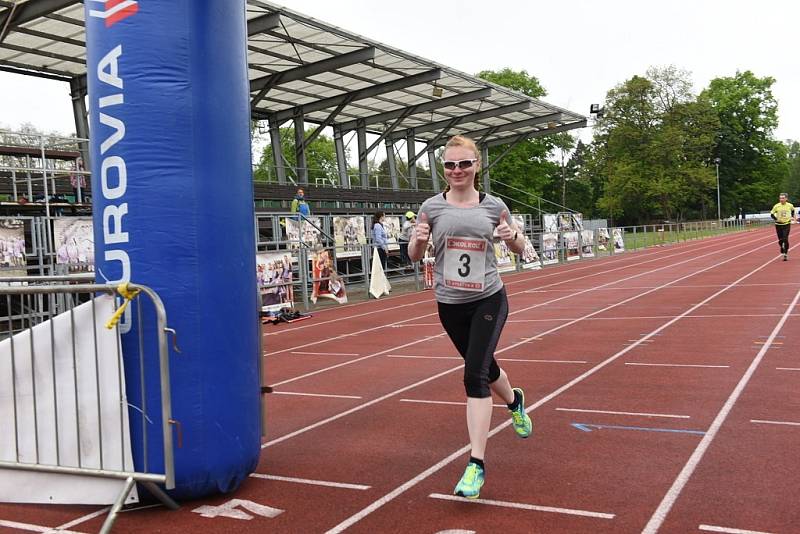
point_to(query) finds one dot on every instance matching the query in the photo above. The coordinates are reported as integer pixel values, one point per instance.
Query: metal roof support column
(412, 163)
(77, 90)
(392, 165)
(485, 168)
(341, 159)
(434, 176)
(363, 169)
(277, 150)
(300, 148)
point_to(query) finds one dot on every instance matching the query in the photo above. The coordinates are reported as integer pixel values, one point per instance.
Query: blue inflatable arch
(173, 209)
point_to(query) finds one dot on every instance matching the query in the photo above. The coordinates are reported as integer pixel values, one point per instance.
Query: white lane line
(539, 361)
(522, 506)
(667, 415)
(356, 409)
(643, 364)
(683, 477)
(764, 422)
(726, 530)
(644, 317)
(424, 357)
(325, 353)
(500, 351)
(315, 395)
(83, 519)
(788, 368)
(568, 280)
(364, 512)
(34, 528)
(450, 403)
(325, 483)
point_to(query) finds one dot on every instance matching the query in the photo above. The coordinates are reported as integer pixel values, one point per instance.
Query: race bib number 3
(465, 263)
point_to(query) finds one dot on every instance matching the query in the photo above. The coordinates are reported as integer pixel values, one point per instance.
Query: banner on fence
(549, 248)
(571, 246)
(327, 283)
(73, 238)
(530, 258)
(12, 248)
(602, 239)
(587, 243)
(305, 230)
(275, 269)
(349, 234)
(619, 240)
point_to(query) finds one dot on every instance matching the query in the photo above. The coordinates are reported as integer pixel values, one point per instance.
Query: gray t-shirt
(465, 268)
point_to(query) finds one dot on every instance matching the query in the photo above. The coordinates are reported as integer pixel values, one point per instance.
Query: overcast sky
(578, 49)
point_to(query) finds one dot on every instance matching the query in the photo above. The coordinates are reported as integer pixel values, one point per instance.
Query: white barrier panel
(66, 407)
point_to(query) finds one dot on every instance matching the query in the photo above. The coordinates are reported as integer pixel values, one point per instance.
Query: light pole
(719, 210)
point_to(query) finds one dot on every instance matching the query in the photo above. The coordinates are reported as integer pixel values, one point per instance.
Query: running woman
(783, 215)
(471, 298)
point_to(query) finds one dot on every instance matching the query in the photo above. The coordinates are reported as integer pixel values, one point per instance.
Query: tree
(791, 184)
(753, 164)
(527, 170)
(320, 158)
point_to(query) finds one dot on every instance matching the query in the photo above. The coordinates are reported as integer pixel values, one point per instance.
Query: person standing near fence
(783, 215)
(379, 239)
(405, 236)
(472, 301)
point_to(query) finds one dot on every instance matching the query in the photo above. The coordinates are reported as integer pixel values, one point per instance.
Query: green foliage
(320, 158)
(753, 164)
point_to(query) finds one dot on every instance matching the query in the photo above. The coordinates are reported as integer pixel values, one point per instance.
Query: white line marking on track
(325, 353)
(726, 530)
(83, 519)
(642, 364)
(675, 490)
(450, 403)
(358, 516)
(34, 528)
(539, 361)
(424, 357)
(765, 422)
(326, 483)
(672, 416)
(569, 280)
(788, 368)
(315, 395)
(522, 506)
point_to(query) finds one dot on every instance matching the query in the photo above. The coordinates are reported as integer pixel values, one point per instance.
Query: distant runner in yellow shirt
(783, 215)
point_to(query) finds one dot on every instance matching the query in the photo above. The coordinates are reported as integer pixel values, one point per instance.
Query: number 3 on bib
(465, 263)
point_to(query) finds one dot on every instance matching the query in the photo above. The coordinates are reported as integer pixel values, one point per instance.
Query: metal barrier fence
(50, 413)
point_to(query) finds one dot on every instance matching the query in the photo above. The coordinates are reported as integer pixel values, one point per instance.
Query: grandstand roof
(299, 65)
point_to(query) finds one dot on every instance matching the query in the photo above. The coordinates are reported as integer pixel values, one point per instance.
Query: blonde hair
(461, 141)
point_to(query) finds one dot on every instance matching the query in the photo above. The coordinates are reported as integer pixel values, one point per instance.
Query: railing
(65, 411)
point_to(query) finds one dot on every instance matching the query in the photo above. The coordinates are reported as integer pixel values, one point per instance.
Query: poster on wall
(74, 243)
(571, 244)
(349, 234)
(549, 248)
(565, 223)
(307, 230)
(506, 260)
(550, 222)
(327, 283)
(392, 226)
(602, 239)
(587, 243)
(530, 258)
(619, 240)
(274, 279)
(12, 248)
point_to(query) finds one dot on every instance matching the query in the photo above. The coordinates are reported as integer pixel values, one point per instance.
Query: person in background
(470, 295)
(405, 236)
(379, 238)
(783, 215)
(299, 204)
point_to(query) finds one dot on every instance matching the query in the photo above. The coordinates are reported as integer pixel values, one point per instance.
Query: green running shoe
(471, 482)
(521, 422)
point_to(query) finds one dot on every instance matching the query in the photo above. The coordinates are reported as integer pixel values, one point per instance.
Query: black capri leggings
(474, 328)
(783, 236)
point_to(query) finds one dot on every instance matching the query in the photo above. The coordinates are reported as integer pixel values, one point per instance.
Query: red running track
(662, 385)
